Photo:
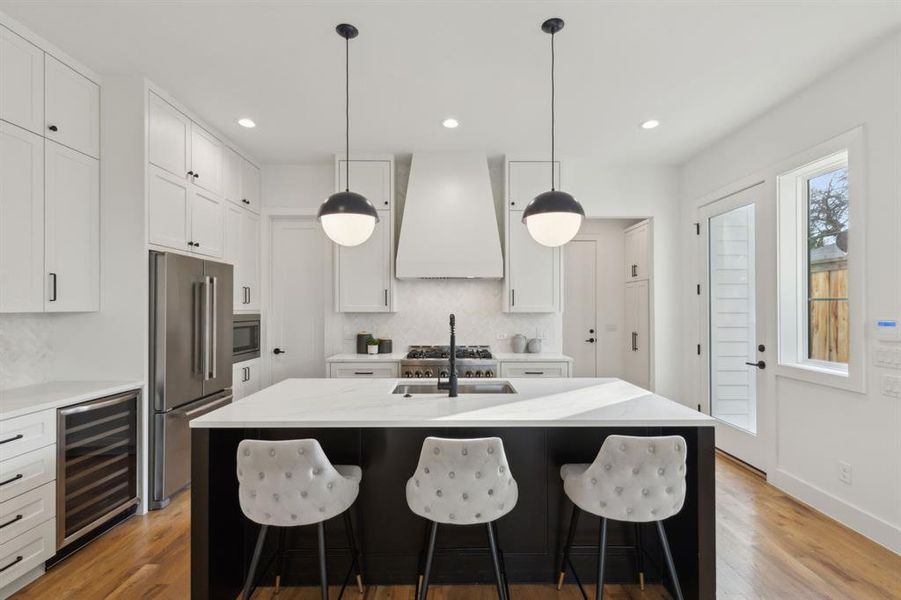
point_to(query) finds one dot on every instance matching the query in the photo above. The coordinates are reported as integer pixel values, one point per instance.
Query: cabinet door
(232, 165)
(527, 179)
(72, 106)
(169, 223)
(207, 222)
(71, 229)
(363, 275)
(232, 254)
(250, 259)
(21, 220)
(535, 369)
(169, 137)
(252, 383)
(372, 178)
(206, 159)
(643, 252)
(637, 363)
(534, 276)
(21, 82)
(238, 373)
(250, 186)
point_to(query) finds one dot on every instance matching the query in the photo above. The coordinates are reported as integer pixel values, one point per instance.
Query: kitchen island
(544, 424)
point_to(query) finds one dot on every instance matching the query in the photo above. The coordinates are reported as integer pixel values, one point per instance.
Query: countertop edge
(449, 423)
(58, 399)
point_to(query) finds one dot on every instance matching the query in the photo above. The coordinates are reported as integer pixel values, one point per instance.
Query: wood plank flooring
(768, 546)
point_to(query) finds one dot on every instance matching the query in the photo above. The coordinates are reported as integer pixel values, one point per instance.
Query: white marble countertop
(539, 402)
(529, 357)
(55, 394)
(392, 357)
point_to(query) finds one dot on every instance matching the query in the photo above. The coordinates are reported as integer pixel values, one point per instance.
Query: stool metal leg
(352, 541)
(424, 588)
(257, 550)
(639, 550)
(323, 572)
(500, 552)
(573, 522)
(280, 556)
(669, 560)
(602, 555)
(495, 559)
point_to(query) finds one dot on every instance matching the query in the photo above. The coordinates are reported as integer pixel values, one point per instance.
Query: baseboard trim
(870, 526)
(741, 464)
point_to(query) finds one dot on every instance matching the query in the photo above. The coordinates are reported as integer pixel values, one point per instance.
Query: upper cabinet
(364, 274)
(250, 186)
(21, 82)
(232, 163)
(206, 160)
(71, 108)
(534, 273)
(169, 137)
(638, 252)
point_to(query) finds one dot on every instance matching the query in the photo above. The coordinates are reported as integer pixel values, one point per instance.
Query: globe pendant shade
(348, 218)
(553, 218)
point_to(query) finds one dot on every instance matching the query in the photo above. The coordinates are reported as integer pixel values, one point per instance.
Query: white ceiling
(702, 68)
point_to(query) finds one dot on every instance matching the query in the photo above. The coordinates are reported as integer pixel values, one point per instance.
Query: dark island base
(392, 537)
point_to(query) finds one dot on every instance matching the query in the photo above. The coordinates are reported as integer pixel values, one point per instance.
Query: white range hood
(449, 227)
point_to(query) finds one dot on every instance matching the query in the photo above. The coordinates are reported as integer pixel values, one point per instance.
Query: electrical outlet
(501, 336)
(844, 472)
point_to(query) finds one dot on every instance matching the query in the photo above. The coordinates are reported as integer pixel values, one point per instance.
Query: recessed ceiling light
(248, 123)
(650, 124)
(451, 123)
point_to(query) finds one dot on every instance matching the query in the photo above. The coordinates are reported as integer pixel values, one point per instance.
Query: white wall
(816, 426)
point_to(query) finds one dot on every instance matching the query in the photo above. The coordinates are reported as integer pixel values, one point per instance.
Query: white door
(169, 137)
(21, 82)
(206, 159)
(637, 362)
(21, 220)
(72, 108)
(250, 186)
(580, 307)
(534, 277)
(364, 271)
(168, 209)
(732, 317)
(295, 326)
(71, 229)
(207, 222)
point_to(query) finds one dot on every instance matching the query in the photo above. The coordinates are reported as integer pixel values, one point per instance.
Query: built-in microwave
(246, 337)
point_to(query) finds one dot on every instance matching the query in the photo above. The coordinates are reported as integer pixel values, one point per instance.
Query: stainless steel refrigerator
(190, 360)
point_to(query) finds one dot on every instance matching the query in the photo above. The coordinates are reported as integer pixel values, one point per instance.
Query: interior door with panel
(169, 137)
(71, 229)
(734, 241)
(207, 222)
(21, 220)
(363, 279)
(71, 107)
(21, 82)
(580, 307)
(169, 213)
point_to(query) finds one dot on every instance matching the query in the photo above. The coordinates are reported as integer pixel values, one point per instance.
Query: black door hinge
(699, 349)
(697, 229)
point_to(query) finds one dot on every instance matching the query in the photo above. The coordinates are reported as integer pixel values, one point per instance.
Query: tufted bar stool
(632, 479)
(462, 482)
(292, 483)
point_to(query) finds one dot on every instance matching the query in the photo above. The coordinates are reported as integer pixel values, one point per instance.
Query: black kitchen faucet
(451, 384)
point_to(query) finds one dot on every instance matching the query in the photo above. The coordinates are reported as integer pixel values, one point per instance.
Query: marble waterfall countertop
(538, 402)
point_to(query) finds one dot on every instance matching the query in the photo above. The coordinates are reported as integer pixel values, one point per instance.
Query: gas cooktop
(443, 352)
(434, 361)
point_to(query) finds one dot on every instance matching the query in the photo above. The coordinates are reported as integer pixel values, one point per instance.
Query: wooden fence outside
(828, 293)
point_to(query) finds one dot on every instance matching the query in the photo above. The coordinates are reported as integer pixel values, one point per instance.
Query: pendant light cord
(347, 113)
(553, 113)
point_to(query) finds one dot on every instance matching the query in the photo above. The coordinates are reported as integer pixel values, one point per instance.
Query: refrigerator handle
(214, 322)
(207, 326)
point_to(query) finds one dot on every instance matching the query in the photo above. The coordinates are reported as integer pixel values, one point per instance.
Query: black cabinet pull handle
(759, 364)
(386, 297)
(13, 563)
(53, 128)
(191, 173)
(534, 372)
(512, 297)
(634, 341)
(11, 479)
(11, 521)
(362, 372)
(12, 439)
(279, 351)
(196, 175)
(53, 287)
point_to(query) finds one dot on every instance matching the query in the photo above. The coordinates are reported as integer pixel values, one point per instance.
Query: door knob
(759, 364)
(590, 340)
(591, 331)
(53, 128)
(279, 351)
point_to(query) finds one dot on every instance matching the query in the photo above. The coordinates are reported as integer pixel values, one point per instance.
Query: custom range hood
(449, 227)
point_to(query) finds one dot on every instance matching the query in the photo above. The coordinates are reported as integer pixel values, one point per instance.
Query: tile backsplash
(26, 349)
(423, 307)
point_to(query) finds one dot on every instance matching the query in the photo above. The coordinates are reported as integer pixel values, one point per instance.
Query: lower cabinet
(242, 249)
(246, 378)
(25, 552)
(363, 369)
(535, 369)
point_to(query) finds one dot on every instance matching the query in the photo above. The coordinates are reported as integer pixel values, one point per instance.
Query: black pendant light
(553, 218)
(347, 218)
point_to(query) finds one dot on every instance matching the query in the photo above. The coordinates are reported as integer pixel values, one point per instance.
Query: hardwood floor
(768, 546)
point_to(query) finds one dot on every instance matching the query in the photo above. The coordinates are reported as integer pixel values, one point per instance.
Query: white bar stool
(463, 482)
(632, 479)
(292, 483)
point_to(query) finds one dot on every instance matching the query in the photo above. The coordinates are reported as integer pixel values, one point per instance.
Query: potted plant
(372, 345)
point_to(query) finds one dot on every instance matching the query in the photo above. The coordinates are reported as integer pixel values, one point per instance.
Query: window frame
(792, 260)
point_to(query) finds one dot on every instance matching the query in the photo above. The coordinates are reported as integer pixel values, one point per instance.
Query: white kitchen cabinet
(71, 229)
(637, 241)
(534, 273)
(242, 249)
(232, 164)
(169, 216)
(71, 107)
(250, 186)
(246, 378)
(364, 274)
(364, 370)
(207, 222)
(206, 159)
(21, 220)
(169, 137)
(21, 82)
(638, 336)
(534, 369)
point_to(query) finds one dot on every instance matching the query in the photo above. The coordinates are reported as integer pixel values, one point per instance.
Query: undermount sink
(487, 387)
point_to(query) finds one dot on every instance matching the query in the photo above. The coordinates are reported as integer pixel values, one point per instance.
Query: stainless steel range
(434, 361)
